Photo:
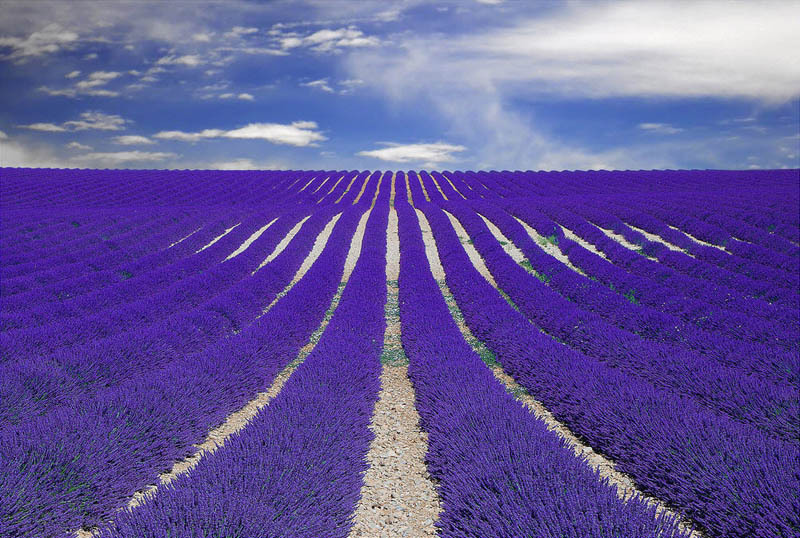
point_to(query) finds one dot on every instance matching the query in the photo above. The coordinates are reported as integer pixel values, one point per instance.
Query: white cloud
(188, 60)
(189, 137)
(77, 145)
(241, 96)
(202, 37)
(91, 56)
(15, 154)
(606, 49)
(98, 78)
(72, 74)
(661, 128)
(46, 127)
(3, 136)
(325, 40)
(49, 40)
(115, 158)
(238, 31)
(321, 84)
(298, 133)
(97, 120)
(131, 140)
(402, 153)
(244, 164)
(490, 2)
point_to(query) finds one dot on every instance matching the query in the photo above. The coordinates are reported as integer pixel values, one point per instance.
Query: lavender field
(456, 354)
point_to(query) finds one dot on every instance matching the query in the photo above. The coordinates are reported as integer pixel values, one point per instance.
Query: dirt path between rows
(398, 497)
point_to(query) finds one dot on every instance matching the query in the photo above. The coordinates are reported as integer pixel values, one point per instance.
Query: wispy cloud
(325, 40)
(321, 84)
(88, 120)
(116, 158)
(437, 152)
(132, 140)
(240, 96)
(72, 74)
(661, 128)
(78, 145)
(187, 60)
(298, 133)
(46, 127)
(49, 40)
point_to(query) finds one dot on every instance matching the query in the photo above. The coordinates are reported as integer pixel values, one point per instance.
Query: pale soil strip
(239, 419)
(552, 249)
(220, 236)
(472, 252)
(327, 180)
(408, 191)
(424, 190)
(250, 239)
(467, 185)
(699, 241)
(392, 192)
(349, 185)
(316, 250)
(307, 184)
(184, 238)
(453, 186)
(398, 497)
(283, 243)
(438, 187)
(605, 468)
(582, 242)
(331, 190)
(657, 239)
(621, 240)
(363, 187)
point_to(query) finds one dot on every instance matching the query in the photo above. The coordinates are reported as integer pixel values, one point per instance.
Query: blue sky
(395, 85)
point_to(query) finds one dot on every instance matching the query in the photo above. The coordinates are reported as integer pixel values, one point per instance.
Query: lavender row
(110, 265)
(47, 302)
(747, 277)
(39, 260)
(689, 299)
(296, 469)
(730, 479)
(151, 306)
(640, 319)
(771, 407)
(499, 470)
(35, 385)
(645, 314)
(776, 263)
(718, 282)
(76, 467)
(739, 229)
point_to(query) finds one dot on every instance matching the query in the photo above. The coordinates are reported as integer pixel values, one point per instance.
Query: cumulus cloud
(72, 74)
(98, 78)
(437, 152)
(116, 158)
(88, 86)
(3, 136)
(298, 133)
(131, 140)
(661, 128)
